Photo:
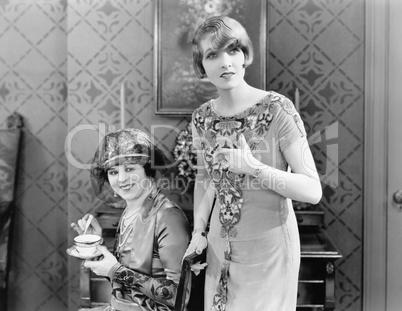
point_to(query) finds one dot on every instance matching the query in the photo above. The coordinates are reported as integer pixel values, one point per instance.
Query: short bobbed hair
(223, 31)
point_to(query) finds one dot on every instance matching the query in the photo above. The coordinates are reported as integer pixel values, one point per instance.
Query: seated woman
(153, 233)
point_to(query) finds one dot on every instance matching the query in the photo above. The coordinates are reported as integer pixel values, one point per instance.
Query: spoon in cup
(87, 224)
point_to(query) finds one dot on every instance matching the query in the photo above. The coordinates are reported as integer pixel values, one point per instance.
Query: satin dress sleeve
(158, 287)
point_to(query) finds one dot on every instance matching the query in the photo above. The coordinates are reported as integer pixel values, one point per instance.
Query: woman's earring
(115, 194)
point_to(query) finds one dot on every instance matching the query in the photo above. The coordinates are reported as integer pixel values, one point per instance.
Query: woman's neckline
(220, 115)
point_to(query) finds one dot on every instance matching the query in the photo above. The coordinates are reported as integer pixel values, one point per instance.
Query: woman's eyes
(211, 55)
(234, 50)
(230, 50)
(127, 169)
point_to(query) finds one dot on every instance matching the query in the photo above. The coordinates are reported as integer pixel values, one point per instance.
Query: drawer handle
(299, 219)
(115, 224)
(330, 268)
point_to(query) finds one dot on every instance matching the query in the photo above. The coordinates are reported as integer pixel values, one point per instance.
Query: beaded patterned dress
(253, 252)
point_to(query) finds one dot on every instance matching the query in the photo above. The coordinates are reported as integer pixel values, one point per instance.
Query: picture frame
(177, 90)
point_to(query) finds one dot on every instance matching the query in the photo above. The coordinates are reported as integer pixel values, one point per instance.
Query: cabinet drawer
(109, 221)
(312, 270)
(100, 290)
(309, 219)
(311, 294)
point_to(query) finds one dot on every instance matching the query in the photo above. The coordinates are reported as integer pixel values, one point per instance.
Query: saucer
(72, 251)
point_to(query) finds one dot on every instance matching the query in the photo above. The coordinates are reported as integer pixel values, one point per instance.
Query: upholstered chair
(9, 151)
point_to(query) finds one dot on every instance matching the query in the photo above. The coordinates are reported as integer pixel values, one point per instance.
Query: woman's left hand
(241, 160)
(103, 266)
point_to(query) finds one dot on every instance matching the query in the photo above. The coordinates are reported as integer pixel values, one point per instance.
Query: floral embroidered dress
(253, 252)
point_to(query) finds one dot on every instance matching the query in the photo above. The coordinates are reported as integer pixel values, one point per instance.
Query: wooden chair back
(196, 299)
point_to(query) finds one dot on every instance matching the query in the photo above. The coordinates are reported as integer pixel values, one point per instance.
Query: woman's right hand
(198, 243)
(94, 227)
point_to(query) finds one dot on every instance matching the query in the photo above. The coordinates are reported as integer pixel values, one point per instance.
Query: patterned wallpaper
(109, 43)
(33, 67)
(318, 47)
(84, 49)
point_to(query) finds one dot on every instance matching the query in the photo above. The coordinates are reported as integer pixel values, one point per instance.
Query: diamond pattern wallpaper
(62, 63)
(318, 47)
(109, 43)
(33, 66)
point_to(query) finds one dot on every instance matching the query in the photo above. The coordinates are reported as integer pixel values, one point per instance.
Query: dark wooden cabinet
(317, 270)
(316, 290)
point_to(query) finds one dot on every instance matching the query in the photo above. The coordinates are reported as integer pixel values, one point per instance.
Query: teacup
(86, 244)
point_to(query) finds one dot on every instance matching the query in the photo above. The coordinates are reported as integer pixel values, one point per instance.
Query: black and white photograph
(200, 155)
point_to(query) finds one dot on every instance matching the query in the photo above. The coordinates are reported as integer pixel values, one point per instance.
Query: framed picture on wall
(177, 90)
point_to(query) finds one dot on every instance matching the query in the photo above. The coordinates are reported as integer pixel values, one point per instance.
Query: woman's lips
(126, 187)
(227, 75)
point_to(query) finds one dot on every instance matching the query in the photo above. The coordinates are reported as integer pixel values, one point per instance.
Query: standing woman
(245, 140)
(153, 233)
